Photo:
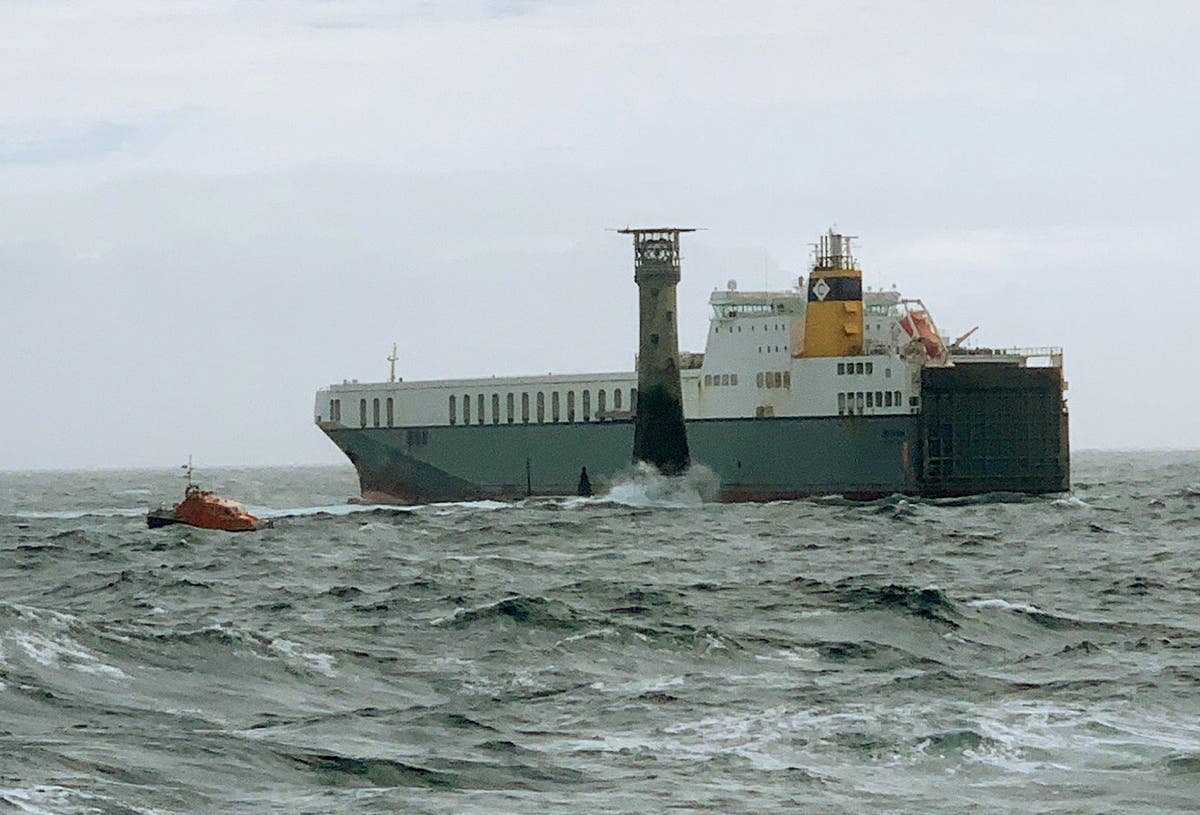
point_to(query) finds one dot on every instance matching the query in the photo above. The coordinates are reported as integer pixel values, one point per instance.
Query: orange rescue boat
(203, 509)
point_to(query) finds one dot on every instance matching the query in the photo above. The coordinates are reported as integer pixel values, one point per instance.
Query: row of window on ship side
(476, 407)
(852, 403)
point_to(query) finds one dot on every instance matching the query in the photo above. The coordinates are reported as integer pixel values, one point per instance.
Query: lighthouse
(659, 435)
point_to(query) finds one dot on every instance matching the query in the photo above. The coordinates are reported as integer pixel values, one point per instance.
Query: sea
(640, 651)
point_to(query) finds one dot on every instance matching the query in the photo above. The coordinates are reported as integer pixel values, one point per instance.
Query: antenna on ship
(187, 474)
(392, 359)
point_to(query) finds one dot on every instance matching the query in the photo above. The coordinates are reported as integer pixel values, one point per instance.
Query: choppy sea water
(635, 653)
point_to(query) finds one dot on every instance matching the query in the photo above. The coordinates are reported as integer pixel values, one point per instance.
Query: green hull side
(753, 459)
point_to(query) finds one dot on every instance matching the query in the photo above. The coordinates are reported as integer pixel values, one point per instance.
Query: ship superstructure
(823, 388)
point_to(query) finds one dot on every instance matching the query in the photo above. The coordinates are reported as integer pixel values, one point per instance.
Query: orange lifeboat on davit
(918, 325)
(203, 509)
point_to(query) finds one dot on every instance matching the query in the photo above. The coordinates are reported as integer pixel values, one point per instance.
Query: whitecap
(996, 602)
(49, 652)
(320, 662)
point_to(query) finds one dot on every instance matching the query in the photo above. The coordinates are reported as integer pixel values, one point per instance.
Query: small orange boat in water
(203, 509)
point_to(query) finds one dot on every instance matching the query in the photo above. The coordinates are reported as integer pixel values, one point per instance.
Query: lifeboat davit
(203, 509)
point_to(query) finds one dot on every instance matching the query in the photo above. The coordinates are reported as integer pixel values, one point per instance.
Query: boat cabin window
(858, 400)
(887, 399)
(600, 406)
(391, 412)
(733, 379)
(479, 409)
(554, 406)
(841, 368)
(375, 412)
(787, 379)
(466, 408)
(541, 407)
(496, 409)
(841, 404)
(570, 406)
(587, 405)
(362, 412)
(453, 412)
(870, 367)
(508, 408)
(858, 367)
(870, 399)
(525, 407)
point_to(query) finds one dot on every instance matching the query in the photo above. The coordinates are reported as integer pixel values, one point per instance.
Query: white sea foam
(65, 651)
(48, 799)
(644, 486)
(1070, 502)
(996, 602)
(320, 662)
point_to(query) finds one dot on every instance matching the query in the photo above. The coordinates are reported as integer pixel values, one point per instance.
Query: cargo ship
(824, 388)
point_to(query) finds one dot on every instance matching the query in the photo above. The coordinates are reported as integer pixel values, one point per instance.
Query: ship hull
(751, 459)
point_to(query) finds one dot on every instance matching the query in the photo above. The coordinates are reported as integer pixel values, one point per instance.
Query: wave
(644, 487)
(452, 774)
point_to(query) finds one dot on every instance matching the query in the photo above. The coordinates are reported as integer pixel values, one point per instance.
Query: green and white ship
(821, 389)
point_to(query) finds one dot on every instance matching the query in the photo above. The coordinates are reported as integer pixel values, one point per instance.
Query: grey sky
(213, 208)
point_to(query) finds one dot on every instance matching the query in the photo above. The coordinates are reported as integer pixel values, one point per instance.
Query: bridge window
(525, 408)
(570, 406)
(453, 410)
(554, 406)
(541, 407)
(496, 409)
(778, 379)
(758, 379)
(616, 398)
(479, 409)
(587, 405)
(391, 412)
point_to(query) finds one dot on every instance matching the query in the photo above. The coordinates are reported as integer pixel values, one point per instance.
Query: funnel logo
(821, 289)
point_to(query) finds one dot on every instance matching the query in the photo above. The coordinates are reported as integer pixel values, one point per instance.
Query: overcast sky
(210, 209)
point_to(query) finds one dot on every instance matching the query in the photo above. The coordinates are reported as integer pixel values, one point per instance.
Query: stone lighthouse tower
(659, 435)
